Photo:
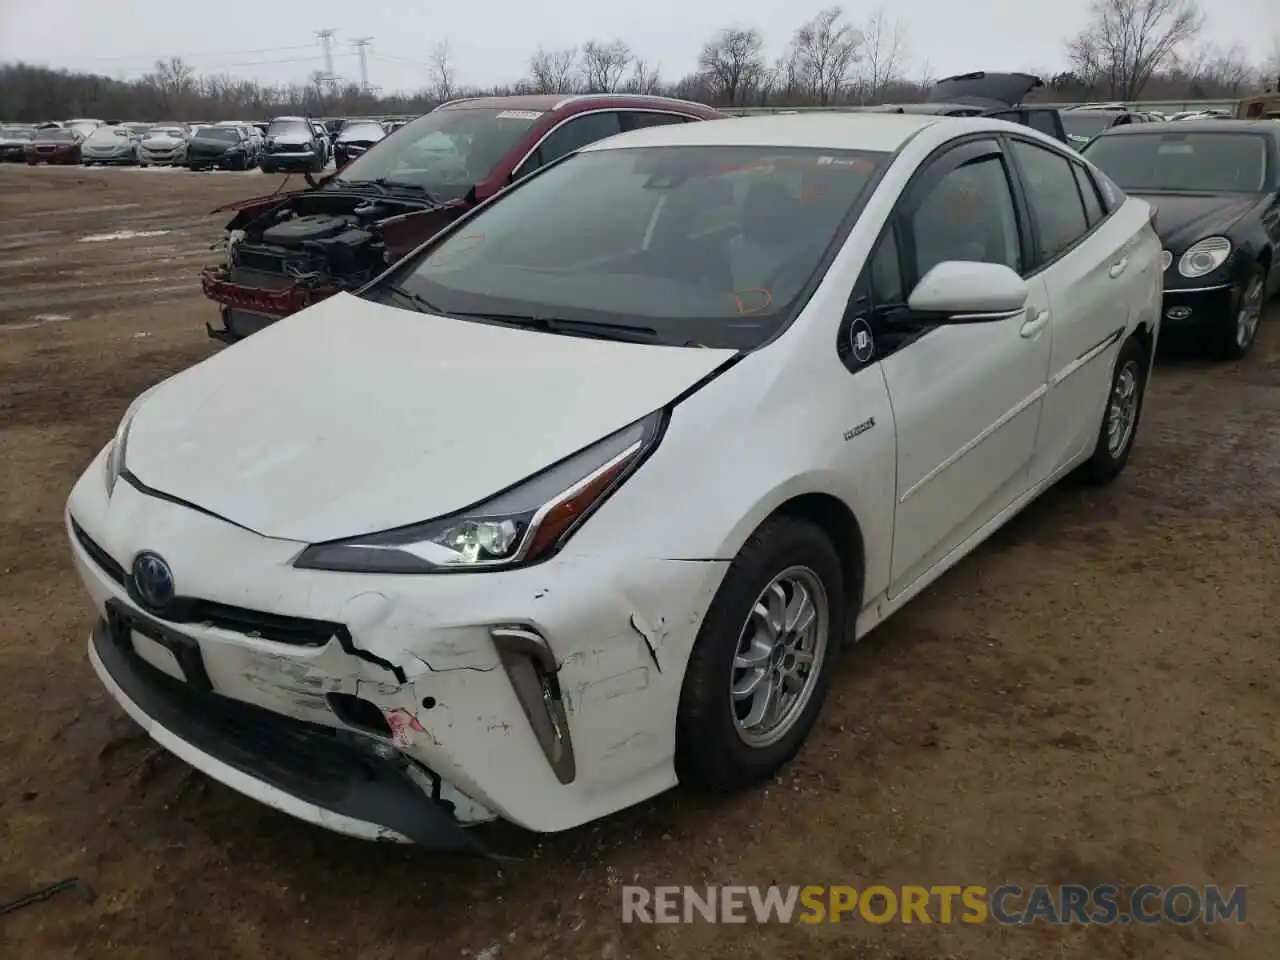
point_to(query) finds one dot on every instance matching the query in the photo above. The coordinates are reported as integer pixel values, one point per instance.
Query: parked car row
(772, 377)
(281, 144)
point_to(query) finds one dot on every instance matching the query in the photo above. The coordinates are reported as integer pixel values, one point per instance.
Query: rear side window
(1053, 197)
(1089, 193)
(1044, 121)
(635, 119)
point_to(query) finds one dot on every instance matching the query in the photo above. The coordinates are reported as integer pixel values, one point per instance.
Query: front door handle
(1118, 268)
(1033, 326)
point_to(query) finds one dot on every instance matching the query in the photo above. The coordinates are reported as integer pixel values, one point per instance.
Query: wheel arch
(835, 518)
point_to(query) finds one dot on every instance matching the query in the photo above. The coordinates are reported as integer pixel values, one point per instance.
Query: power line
(329, 79)
(151, 58)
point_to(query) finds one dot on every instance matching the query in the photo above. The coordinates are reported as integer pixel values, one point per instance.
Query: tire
(713, 751)
(1125, 394)
(267, 168)
(1234, 338)
(317, 164)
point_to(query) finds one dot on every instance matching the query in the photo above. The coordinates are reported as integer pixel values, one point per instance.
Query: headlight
(1204, 257)
(120, 442)
(523, 525)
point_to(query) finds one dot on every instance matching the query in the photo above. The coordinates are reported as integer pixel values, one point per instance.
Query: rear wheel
(267, 168)
(1236, 335)
(763, 659)
(1121, 415)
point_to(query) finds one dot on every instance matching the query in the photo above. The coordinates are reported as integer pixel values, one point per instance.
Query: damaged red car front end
(290, 250)
(286, 252)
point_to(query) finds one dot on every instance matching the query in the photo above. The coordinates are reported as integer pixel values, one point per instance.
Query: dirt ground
(1092, 697)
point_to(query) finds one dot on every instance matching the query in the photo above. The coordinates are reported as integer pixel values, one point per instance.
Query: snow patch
(122, 235)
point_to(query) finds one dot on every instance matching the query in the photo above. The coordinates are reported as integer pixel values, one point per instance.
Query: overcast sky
(273, 40)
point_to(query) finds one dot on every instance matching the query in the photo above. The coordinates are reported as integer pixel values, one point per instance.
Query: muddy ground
(1092, 697)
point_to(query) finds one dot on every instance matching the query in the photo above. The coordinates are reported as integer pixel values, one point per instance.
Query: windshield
(228, 134)
(57, 133)
(1203, 162)
(697, 245)
(447, 152)
(281, 128)
(1086, 123)
(105, 136)
(361, 131)
(166, 132)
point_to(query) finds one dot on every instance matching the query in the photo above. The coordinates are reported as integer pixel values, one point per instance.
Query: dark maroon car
(54, 145)
(287, 251)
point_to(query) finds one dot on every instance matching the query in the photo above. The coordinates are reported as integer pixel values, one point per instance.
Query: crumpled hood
(1185, 219)
(352, 417)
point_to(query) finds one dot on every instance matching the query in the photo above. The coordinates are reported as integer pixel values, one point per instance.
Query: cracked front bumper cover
(312, 772)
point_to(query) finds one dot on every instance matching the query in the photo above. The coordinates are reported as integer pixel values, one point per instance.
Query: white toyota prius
(578, 501)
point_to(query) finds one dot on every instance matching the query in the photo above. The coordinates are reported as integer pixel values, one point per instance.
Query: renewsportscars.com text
(1008, 904)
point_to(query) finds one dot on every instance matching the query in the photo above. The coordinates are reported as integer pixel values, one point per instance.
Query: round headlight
(1204, 257)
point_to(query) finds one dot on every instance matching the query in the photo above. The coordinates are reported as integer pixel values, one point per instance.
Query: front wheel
(1121, 414)
(1236, 335)
(763, 658)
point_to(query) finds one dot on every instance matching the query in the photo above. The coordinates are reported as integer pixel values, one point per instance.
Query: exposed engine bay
(286, 253)
(318, 249)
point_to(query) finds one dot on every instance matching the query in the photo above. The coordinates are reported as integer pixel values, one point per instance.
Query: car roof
(883, 132)
(547, 102)
(1186, 126)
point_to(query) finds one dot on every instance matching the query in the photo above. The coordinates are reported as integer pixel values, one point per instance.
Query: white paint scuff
(122, 235)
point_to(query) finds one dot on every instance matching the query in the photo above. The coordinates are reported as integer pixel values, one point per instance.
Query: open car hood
(352, 417)
(1006, 89)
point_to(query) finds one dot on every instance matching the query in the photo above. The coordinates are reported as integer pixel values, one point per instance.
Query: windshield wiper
(387, 184)
(420, 303)
(583, 328)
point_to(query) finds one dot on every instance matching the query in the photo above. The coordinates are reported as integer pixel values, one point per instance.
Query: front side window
(1142, 162)
(1054, 199)
(697, 244)
(574, 135)
(967, 215)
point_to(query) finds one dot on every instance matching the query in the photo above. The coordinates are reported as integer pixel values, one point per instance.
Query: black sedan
(1215, 186)
(223, 148)
(355, 138)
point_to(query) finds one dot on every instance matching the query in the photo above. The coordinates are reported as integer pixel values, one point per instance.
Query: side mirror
(964, 291)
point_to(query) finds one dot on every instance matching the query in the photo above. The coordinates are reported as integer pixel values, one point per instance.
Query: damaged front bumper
(245, 310)
(348, 783)
(544, 696)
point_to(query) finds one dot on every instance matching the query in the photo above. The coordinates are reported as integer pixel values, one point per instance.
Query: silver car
(109, 145)
(163, 147)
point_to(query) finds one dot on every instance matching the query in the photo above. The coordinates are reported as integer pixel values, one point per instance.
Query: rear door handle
(1118, 268)
(1033, 326)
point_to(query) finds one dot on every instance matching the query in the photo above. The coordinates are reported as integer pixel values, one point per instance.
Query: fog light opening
(359, 713)
(532, 669)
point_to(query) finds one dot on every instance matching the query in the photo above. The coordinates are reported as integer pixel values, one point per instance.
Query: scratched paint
(403, 726)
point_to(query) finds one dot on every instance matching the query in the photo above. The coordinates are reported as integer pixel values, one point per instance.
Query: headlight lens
(527, 523)
(1204, 257)
(120, 442)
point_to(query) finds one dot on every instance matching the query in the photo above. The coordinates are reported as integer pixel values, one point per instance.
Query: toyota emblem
(153, 581)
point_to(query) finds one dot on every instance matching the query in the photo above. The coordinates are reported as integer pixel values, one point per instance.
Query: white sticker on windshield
(519, 114)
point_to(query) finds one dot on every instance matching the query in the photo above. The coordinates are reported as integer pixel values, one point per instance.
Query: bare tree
(603, 65)
(444, 75)
(788, 73)
(828, 51)
(645, 78)
(1271, 66)
(1127, 41)
(732, 63)
(551, 71)
(884, 51)
(1222, 69)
